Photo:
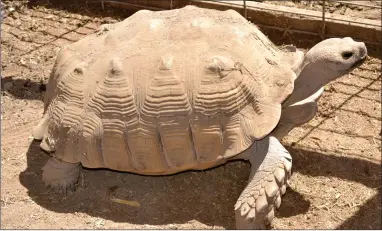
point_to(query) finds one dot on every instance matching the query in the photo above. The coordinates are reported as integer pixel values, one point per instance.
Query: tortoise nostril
(347, 54)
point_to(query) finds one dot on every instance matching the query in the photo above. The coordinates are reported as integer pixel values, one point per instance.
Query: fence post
(323, 29)
(245, 9)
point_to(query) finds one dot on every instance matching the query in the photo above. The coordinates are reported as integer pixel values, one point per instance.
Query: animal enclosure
(336, 157)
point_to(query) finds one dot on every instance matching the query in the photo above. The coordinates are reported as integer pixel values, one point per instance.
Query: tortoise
(185, 89)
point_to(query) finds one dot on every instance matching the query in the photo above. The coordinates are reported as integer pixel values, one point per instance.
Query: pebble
(337, 4)
(290, 4)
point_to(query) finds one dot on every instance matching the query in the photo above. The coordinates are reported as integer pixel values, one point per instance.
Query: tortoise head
(325, 62)
(336, 56)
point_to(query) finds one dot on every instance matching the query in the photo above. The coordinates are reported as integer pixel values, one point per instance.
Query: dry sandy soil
(336, 181)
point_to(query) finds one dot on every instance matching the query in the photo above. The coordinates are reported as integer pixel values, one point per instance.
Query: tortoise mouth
(359, 63)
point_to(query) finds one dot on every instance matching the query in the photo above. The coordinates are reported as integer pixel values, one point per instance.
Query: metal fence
(244, 5)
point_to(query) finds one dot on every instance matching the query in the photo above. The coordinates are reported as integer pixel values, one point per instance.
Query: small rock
(332, 9)
(100, 223)
(360, 8)
(15, 15)
(338, 4)
(86, 17)
(25, 38)
(173, 227)
(343, 11)
(22, 61)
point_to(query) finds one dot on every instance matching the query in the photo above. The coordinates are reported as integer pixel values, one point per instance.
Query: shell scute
(207, 138)
(177, 144)
(89, 142)
(144, 142)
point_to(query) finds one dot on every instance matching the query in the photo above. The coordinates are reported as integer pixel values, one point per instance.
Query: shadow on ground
(23, 88)
(349, 169)
(205, 196)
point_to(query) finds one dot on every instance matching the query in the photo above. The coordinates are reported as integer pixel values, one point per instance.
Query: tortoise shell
(163, 92)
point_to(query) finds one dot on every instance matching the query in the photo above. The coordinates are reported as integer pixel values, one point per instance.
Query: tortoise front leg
(60, 175)
(270, 169)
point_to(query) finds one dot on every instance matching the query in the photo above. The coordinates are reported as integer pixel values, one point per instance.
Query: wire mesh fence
(245, 6)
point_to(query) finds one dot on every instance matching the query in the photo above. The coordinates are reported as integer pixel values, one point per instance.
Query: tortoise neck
(310, 78)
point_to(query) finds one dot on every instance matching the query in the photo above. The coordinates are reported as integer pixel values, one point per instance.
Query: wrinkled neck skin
(311, 77)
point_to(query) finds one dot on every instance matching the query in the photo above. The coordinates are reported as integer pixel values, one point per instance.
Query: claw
(278, 201)
(283, 189)
(251, 214)
(270, 216)
(271, 189)
(261, 192)
(244, 209)
(237, 205)
(251, 202)
(261, 204)
(288, 166)
(279, 175)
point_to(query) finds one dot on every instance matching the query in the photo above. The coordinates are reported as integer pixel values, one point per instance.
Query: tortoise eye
(347, 54)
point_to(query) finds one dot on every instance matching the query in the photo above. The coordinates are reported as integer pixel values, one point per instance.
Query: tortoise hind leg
(60, 175)
(270, 170)
(40, 130)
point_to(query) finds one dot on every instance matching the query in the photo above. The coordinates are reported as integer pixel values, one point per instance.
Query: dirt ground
(336, 181)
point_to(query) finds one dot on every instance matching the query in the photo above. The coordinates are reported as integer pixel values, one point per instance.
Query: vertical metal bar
(171, 4)
(103, 5)
(245, 9)
(323, 29)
